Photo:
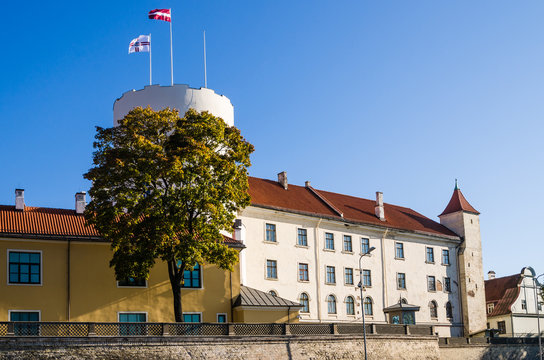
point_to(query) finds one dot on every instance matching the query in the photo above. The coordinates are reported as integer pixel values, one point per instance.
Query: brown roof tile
(502, 292)
(270, 194)
(54, 223)
(458, 203)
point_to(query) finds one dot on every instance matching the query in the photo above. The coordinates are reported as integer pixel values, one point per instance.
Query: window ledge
(302, 246)
(271, 279)
(397, 258)
(446, 264)
(329, 283)
(329, 250)
(429, 262)
(270, 242)
(303, 281)
(347, 252)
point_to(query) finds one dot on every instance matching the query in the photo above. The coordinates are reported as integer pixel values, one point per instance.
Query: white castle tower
(180, 97)
(461, 218)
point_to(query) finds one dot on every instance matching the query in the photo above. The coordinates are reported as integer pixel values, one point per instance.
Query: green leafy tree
(163, 187)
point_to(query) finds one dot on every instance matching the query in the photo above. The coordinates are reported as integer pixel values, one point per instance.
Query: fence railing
(88, 329)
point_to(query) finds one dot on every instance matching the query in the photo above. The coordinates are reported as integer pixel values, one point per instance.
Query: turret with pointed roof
(463, 219)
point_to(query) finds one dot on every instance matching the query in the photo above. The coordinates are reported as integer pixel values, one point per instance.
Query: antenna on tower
(205, 74)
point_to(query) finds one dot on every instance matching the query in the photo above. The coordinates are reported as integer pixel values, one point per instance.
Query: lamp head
(370, 250)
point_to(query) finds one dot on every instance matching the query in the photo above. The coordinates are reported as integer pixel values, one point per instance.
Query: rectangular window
(271, 269)
(445, 257)
(348, 276)
(303, 272)
(132, 329)
(447, 284)
(25, 316)
(271, 232)
(523, 305)
(490, 308)
(132, 282)
(365, 245)
(192, 317)
(539, 306)
(401, 280)
(347, 243)
(502, 327)
(367, 279)
(331, 275)
(221, 318)
(302, 238)
(399, 250)
(192, 278)
(24, 267)
(430, 255)
(431, 283)
(329, 241)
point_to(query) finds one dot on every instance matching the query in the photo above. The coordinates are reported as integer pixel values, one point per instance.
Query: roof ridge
(324, 199)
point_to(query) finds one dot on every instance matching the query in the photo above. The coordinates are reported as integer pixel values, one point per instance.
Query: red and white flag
(160, 14)
(141, 44)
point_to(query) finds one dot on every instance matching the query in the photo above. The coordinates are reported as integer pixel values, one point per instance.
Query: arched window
(403, 300)
(449, 310)
(350, 306)
(331, 304)
(305, 302)
(433, 308)
(273, 293)
(368, 306)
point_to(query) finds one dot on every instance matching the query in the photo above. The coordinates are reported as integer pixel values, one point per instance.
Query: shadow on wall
(511, 352)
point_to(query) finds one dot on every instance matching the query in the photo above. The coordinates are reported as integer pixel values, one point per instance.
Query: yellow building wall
(94, 294)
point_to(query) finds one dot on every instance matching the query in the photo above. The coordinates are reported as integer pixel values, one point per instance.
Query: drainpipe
(384, 273)
(317, 269)
(459, 299)
(68, 299)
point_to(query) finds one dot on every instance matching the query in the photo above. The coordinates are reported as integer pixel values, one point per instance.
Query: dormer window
(490, 308)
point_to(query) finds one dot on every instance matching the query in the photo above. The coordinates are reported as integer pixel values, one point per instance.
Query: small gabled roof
(253, 297)
(400, 306)
(313, 202)
(458, 203)
(502, 292)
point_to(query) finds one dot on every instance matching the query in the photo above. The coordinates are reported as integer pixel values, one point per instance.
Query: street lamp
(537, 285)
(360, 285)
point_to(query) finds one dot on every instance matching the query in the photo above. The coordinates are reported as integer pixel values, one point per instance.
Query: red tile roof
(458, 203)
(270, 194)
(502, 292)
(52, 223)
(44, 221)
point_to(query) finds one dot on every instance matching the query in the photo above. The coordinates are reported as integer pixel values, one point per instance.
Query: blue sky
(356, 96)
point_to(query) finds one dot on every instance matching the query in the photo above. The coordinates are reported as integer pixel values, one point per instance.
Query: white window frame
(192, 313)
(217, 317)
(16, 311)
(275, 233)
(28, 251)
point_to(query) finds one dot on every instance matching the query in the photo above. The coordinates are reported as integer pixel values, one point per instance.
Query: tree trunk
(175, 282)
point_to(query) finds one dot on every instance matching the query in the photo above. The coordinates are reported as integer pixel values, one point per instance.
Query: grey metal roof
(401, 307)
(253, 297)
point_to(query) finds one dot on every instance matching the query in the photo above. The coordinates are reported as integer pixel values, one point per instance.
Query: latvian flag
(160, 14)
(140, 44)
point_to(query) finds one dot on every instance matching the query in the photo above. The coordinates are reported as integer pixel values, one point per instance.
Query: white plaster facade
(180, 97)
(382, 264)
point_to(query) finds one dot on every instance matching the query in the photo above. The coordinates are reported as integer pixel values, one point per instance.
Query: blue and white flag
(141, 44)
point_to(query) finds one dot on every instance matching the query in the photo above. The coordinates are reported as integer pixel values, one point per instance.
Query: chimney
(378, 209)
(80, 202)
(282, 179)
(490, 275)
(20, 199)
(307, 184)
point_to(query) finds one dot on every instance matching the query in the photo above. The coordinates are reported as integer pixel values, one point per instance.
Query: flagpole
(205, 74)
(171, 57)
(150, 73)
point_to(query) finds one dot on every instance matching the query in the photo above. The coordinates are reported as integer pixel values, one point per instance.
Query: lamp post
(537, 285)
(360, 285)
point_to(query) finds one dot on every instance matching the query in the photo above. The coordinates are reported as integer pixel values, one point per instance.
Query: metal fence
(84, 329)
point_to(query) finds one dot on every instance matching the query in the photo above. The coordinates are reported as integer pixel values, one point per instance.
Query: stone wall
(336, 347)
(489, 352)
